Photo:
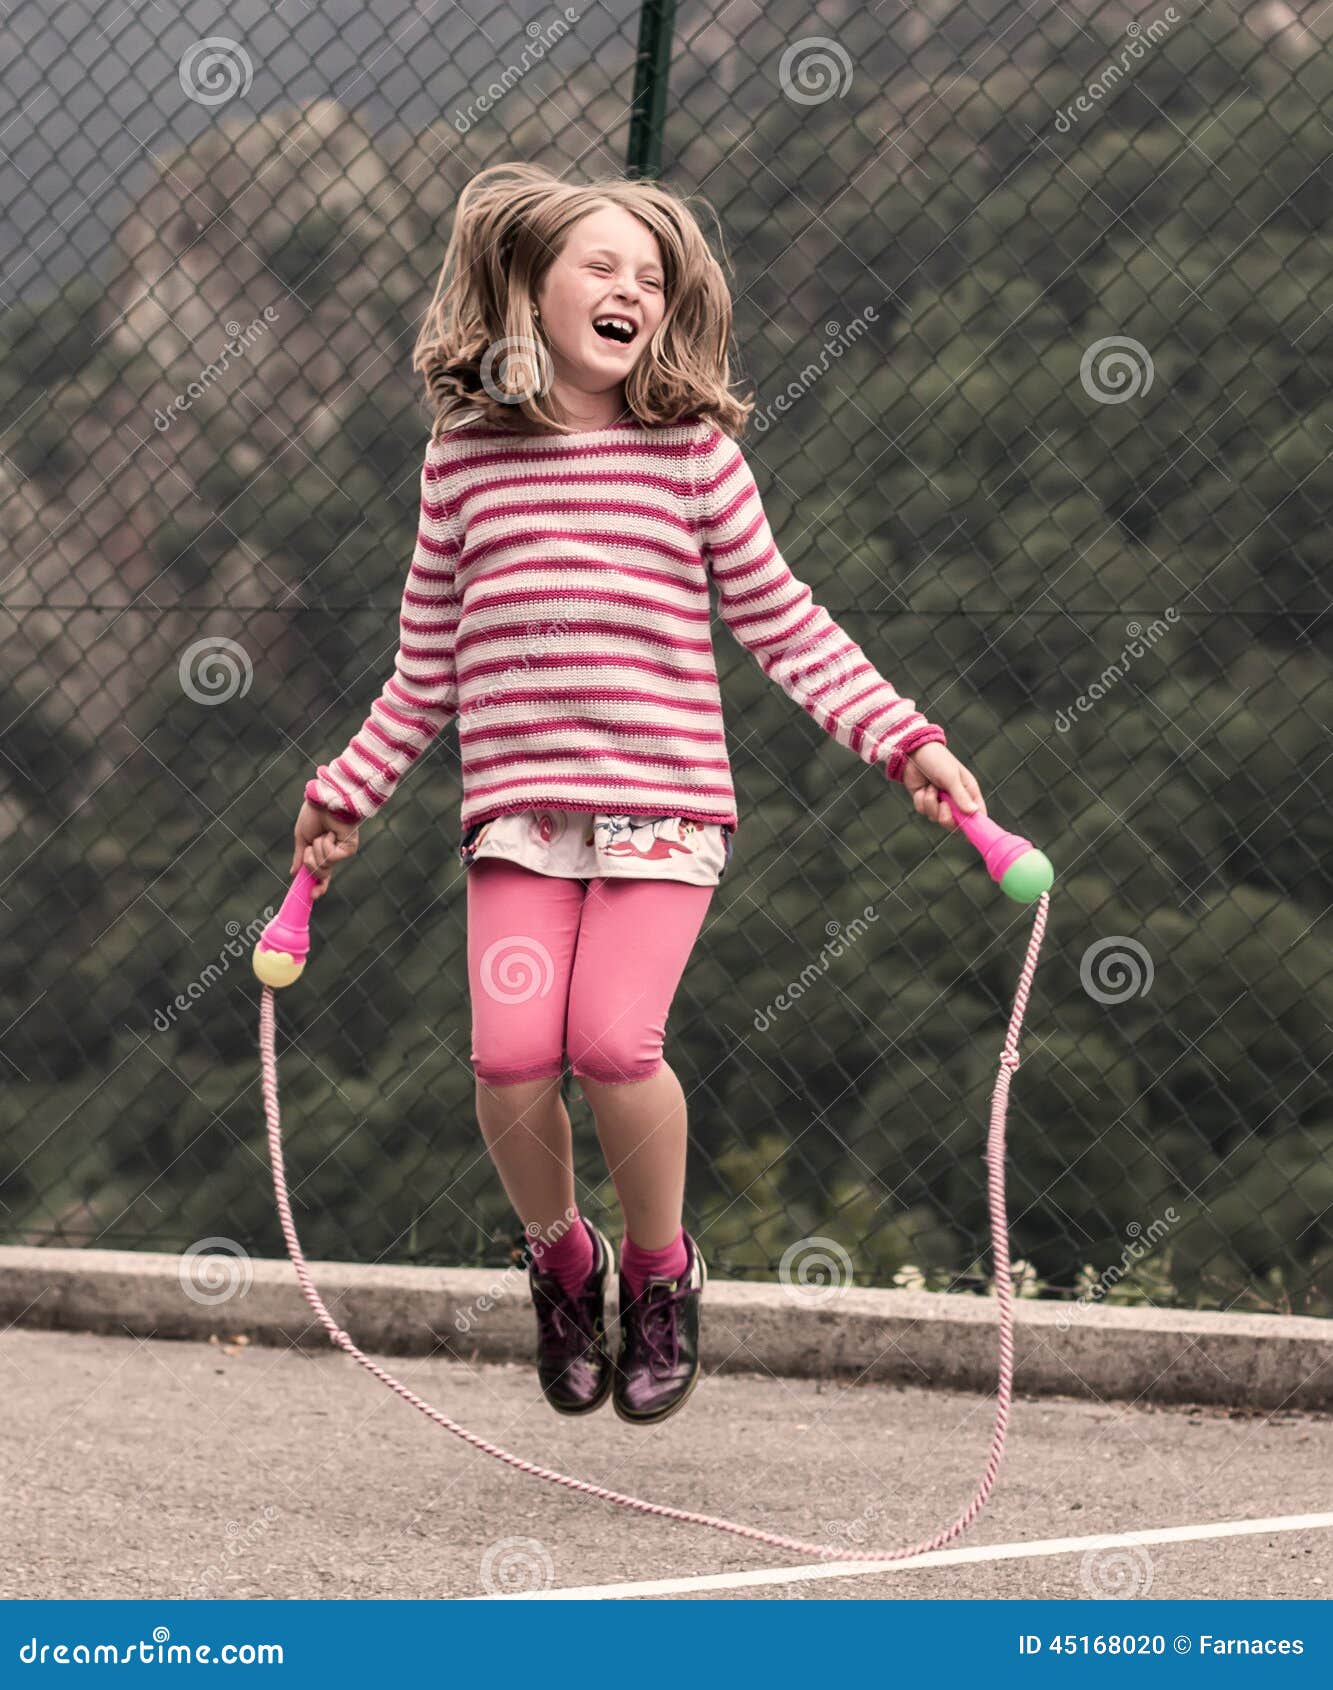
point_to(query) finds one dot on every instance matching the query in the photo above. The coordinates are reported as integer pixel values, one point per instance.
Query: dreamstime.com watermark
(516, 967)
(815, 1270)
(851, 1532)
(1138, 641)
(466, 1317)
(215, 70)
(814, 69)
(239, 1539)
(515, 1564)
(1141, 1241)
(1116, 968)
(157, 1651)
(1115, 369)
(215, 1270)
(541, 39)
(1139, 38)
(241, 337)
(837, 341)
(542, 640)
(515, 369)
(812, 971)
(1113, 1574)
(239, 945)
(214, 670)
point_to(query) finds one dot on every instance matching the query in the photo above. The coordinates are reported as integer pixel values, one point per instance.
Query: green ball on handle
(1021, 871)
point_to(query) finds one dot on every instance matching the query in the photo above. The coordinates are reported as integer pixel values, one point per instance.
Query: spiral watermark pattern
(516, 1564)
(515, 369)
(1116, 369)
(815, 69)
(1113, 1574)
(1116, 968)
(516, 968)
(217, 1276)
(815, 1270)
(215, 670)
(215, 70)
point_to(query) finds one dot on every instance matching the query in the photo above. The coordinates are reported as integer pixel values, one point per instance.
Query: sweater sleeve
(421, 694)
(794, 640)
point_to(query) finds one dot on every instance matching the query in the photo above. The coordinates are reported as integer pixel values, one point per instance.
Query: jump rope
(1022, 872)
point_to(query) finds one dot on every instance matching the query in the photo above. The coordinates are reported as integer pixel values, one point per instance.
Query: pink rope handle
(994, 1156)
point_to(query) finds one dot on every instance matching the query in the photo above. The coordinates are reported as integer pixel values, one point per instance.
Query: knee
(618, 1076)
(508, 1069)
(614, 1057)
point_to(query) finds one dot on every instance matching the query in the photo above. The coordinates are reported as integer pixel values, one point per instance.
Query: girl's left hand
(938, 782)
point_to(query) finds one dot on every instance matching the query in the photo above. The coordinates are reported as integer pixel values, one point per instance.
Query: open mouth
(618, 329)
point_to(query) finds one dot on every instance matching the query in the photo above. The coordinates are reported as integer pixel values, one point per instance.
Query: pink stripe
(592, 595)
(724, 548)
(346, 796)
(781, 639)
(884, 710)
(479, 794)
(531, 455)
(690, 582)
(415, 654)
(396, 687)
(426, 542)
(507, 538)
(377, 763)
(636, 759)
(720, 478)
(511, 489)
(584, 660)
(511, 731)
(618, 695)
(350, 774)
(524, 509)
(626, 630)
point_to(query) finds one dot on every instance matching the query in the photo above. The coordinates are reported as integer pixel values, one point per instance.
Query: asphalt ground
(148, 1468)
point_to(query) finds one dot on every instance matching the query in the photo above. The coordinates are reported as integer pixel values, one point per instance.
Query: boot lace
(659, 1327)
(562, 1323)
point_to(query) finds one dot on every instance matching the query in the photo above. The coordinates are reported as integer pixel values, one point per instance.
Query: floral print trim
(590, 844)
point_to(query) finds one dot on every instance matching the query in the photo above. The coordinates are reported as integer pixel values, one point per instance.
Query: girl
(582, 485)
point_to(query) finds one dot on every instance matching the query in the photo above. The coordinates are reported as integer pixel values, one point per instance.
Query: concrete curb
(480, 1314)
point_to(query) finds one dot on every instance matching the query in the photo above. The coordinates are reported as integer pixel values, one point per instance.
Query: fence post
(652, 68)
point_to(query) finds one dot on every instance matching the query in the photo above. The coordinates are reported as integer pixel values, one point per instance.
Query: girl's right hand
(321, 842)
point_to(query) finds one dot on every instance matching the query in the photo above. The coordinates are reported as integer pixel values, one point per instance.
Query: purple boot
(573, 1357)
(658, 1363)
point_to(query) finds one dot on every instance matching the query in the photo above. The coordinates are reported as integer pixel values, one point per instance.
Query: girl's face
(611, 266)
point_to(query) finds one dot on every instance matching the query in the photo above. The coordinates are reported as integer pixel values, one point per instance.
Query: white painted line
(938, 1558)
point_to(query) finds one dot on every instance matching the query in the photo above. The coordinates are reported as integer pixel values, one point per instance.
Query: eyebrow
(606, 252)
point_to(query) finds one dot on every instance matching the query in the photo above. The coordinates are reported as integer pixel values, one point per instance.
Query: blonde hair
(511, 222)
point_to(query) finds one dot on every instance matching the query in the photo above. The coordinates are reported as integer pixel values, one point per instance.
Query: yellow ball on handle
(280, 955)
(277, 968)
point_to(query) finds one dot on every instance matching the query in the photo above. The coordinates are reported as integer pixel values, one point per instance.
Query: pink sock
(639, 1265)
(569, 1257)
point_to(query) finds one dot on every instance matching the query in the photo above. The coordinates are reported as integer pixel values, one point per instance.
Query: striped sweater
(558, 605)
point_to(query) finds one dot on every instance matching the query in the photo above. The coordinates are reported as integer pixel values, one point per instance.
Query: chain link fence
(1035, 304)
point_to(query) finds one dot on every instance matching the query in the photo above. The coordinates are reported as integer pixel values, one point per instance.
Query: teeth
(618, 322)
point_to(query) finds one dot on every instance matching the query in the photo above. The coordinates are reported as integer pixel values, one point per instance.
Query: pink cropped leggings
(587, 967)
